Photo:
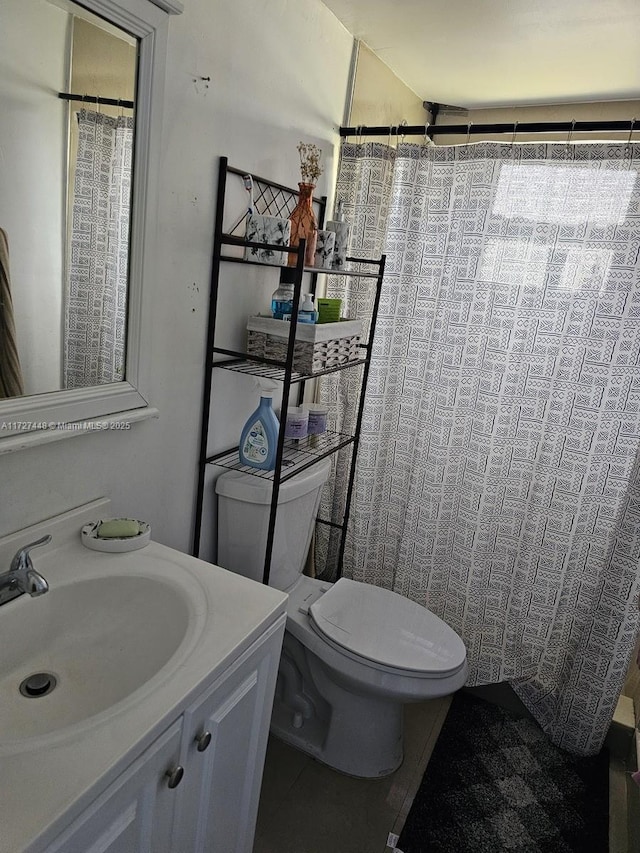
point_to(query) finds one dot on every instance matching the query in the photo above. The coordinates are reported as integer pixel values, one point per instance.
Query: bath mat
(496, 783)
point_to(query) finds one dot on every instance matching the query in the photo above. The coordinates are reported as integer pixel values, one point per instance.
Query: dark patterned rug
(496, 783)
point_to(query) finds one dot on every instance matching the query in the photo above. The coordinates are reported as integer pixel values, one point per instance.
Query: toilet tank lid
(387, 628)
(258, 490)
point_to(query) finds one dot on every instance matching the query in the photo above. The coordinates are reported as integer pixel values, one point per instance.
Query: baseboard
(624, 794)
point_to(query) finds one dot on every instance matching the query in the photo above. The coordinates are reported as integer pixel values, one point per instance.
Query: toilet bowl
(353, 653)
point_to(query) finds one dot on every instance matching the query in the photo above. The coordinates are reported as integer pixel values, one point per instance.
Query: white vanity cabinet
(135, 814)
(196, 788)
(224, 742)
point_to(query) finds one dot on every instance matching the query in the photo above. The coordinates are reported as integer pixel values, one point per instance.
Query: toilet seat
(386, 630)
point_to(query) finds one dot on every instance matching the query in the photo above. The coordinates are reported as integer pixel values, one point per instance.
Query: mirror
(67, 95)
(37, 416)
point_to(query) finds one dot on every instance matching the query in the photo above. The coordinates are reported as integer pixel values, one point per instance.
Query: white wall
(380, 97)
(33, 61)
(279, 72)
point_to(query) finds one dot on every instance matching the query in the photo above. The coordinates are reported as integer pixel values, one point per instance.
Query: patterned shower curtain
(96, 293)
(498, 478)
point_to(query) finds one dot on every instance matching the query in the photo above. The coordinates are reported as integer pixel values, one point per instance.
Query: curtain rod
(95, 99)
(472, 129)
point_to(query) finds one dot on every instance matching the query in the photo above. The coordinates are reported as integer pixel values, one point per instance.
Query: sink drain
(38, 684)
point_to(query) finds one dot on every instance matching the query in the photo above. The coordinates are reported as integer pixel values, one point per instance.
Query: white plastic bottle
(307, 312)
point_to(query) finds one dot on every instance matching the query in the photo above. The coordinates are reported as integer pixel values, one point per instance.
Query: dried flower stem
(310, 167)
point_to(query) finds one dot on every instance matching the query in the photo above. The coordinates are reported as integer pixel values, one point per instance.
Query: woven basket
(316, 347)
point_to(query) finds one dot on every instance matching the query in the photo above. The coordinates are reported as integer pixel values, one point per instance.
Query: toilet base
(352, 754)
(342, 710)
(358, 735)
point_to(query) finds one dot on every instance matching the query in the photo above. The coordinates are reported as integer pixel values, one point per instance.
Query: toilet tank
(244, 503)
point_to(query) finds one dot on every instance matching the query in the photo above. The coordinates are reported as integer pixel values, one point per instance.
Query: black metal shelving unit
(292, 455)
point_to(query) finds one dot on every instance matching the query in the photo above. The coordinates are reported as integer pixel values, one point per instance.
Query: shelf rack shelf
(353, 273)
(297, 455)
(266, 369)
(293, 456)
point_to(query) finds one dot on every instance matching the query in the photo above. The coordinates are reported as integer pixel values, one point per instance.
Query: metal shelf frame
(292, 455)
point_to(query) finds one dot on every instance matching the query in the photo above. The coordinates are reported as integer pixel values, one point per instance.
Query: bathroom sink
(102, 639)
(139, 642)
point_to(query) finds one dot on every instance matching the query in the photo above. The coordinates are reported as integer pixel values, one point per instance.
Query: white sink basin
(132, 639)
(102, 638)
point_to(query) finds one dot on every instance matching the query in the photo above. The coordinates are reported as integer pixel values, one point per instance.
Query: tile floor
(306, 807)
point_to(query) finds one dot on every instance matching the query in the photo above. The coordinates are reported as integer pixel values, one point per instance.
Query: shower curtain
(96, 292)
(498, 476)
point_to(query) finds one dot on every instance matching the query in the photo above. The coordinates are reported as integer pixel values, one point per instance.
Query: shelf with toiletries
(298, 454)
(309, 341)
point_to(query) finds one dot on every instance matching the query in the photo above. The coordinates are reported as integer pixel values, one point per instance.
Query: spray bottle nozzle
(266, 387)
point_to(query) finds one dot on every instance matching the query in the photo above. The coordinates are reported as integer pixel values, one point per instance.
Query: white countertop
(48, 783)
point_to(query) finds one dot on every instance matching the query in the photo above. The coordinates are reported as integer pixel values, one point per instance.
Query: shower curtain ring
(633, 121)
(573, 124)
(469, 131)
(515, 130)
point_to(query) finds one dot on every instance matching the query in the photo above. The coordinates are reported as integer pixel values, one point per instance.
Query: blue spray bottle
(259, 437)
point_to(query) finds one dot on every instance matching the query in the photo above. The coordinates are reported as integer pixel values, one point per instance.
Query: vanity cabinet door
(225, 740)
(135, 814)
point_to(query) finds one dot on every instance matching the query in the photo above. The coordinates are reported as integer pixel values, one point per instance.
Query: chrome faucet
(22, 577)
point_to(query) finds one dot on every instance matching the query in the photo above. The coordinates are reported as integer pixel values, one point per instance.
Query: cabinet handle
(203, 740)
(174, 775)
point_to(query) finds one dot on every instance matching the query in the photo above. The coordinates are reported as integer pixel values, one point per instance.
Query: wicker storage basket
(316, 346)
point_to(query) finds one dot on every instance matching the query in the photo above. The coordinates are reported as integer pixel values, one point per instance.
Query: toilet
(353, 653)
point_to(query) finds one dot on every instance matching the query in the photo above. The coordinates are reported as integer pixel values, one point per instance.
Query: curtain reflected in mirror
(96, 292)
(11, 382)
(67, 91)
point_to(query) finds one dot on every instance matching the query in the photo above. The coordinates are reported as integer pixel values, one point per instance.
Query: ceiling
(484, 53)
